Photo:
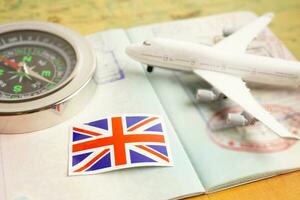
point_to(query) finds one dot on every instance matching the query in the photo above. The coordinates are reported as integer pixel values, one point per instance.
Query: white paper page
(35, 164)
(2, 183)
(226, 155)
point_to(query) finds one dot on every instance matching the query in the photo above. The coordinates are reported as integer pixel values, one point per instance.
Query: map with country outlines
(90, 16)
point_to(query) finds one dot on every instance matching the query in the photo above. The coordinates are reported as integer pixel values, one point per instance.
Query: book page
(35, 165)
(2, 180)
(222, 155)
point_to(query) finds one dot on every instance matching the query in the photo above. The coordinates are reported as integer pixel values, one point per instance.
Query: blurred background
(89, 16)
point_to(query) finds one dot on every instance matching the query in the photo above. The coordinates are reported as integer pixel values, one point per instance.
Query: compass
(45, 73)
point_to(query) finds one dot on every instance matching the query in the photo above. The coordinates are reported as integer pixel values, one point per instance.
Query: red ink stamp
(257, 137)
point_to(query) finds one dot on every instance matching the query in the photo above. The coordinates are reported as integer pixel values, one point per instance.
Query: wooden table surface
(89, 16)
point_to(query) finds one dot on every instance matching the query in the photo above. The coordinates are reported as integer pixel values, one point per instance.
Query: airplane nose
(132, 50)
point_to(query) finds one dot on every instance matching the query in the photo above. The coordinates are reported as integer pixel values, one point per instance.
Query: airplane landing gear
(149, 68)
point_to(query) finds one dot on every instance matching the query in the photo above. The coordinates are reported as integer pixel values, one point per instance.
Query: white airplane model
(225, 66)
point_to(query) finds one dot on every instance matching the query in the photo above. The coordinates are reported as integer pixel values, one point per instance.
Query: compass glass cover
(33, 64)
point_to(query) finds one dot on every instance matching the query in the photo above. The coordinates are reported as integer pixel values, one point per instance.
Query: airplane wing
(235, 89)
(238, 41)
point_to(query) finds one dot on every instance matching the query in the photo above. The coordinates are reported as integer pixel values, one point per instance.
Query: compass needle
(30, 72)
(9, 63)
(36, 75)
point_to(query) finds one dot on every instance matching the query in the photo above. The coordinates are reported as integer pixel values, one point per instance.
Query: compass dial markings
(33, 66)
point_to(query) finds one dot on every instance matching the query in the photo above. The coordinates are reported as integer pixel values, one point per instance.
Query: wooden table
(88, 16)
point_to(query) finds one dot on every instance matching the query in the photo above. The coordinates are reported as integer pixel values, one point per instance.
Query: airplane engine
(208, 95)
(240, 119)
(227, 31)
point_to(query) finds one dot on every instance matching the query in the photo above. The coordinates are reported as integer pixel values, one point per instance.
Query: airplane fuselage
(186, 56)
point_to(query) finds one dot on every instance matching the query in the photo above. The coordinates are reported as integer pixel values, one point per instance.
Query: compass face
(33, 64)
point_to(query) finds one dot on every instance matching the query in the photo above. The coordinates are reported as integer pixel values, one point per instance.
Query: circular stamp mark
(257, 137)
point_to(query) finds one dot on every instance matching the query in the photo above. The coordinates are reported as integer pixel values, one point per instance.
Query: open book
(208, 156)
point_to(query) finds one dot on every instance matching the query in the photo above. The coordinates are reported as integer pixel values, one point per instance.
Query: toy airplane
(225, 66)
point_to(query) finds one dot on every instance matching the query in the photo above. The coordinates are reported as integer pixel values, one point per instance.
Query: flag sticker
(118, 142)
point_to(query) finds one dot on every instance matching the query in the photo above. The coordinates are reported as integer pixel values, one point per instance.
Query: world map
(89, 16)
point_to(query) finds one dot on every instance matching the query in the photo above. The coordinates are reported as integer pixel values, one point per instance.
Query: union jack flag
(118, 142)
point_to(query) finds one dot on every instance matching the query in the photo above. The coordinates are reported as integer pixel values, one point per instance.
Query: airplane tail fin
(268, 15)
